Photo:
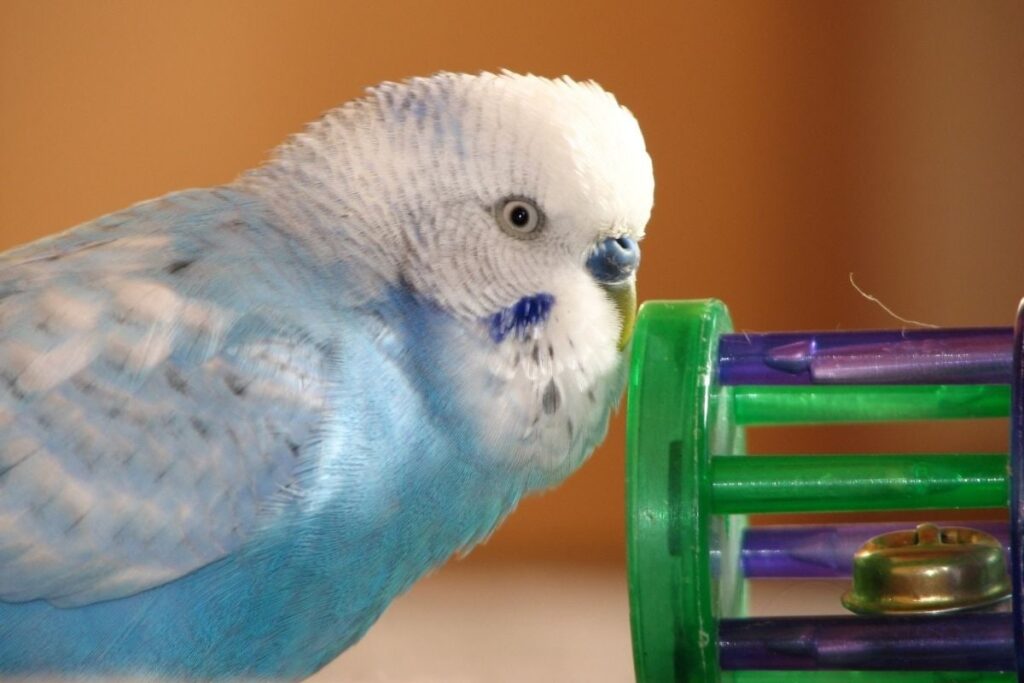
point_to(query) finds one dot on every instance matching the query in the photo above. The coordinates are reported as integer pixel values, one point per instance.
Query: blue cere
(521, 316)
(614, 260)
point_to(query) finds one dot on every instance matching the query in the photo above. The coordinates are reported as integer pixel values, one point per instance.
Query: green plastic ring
(683, 564)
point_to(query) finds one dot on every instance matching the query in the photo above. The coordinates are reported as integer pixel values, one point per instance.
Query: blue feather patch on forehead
(519, 318)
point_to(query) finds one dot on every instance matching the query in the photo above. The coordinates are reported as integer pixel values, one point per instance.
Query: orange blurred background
(794, 143)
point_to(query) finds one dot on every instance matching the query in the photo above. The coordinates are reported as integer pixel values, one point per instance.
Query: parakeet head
(515, 204)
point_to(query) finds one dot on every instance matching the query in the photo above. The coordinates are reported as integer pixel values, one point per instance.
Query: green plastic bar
(842, 483)
(768, 405)
(871, 677)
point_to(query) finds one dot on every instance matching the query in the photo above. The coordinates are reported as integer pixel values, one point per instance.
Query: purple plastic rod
(1017, 490)
(821, 552)
(946, 356)
(958, 642)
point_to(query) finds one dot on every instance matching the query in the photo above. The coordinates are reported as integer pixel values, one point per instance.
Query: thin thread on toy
(885, 308)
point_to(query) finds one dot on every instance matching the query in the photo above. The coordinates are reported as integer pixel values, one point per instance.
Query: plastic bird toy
(931, 603)
(235, 423)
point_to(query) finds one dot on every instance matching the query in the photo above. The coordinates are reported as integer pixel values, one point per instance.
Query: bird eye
(519, 217)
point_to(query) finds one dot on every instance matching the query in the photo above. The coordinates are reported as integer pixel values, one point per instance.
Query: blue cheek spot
(520, 317)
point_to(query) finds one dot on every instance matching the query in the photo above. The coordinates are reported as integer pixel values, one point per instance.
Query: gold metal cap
(928, 570)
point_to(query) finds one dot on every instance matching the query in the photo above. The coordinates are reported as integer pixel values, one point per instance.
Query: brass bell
(928, 570)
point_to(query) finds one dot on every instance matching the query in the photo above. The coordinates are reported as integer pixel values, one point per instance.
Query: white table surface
(469, 624)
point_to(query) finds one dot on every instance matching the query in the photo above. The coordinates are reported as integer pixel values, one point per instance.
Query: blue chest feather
(373, 520)
(399, 481)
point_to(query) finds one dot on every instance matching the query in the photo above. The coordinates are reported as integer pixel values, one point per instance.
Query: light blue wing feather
(158, 385)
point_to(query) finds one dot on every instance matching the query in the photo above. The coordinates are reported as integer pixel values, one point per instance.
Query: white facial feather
(417, 167)
(401, 187)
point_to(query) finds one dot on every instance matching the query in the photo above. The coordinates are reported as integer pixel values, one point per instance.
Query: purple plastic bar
(1017, 490)
(824, 552)
(946, 356)
(960, 642)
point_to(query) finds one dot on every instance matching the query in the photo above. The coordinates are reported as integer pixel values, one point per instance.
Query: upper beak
(623, 295)
(613, 264)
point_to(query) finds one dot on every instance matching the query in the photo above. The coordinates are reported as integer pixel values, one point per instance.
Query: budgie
(236, 422)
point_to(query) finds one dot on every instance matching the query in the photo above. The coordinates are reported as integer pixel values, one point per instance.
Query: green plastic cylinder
(843, 483)
(778, 405)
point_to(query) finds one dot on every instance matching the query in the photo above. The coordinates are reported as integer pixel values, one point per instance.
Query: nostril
(630, 249)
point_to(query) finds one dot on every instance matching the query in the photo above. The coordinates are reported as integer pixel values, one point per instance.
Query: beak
(613, 263)
(623, 295)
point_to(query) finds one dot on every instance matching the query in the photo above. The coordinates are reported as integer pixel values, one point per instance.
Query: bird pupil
(520, 216)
